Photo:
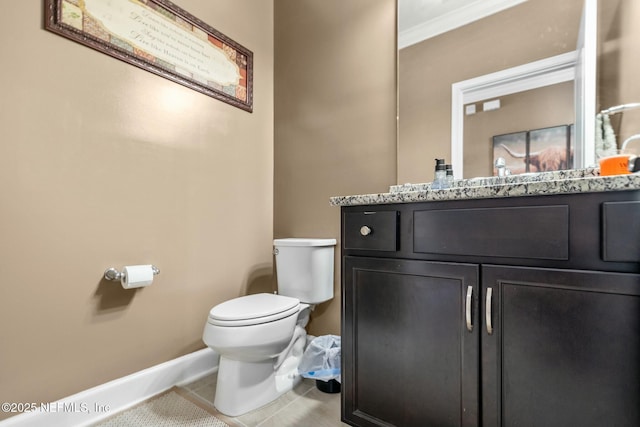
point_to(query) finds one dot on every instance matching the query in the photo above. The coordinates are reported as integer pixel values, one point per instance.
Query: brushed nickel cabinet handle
(488, 311)
(365, 230)
(467, 310)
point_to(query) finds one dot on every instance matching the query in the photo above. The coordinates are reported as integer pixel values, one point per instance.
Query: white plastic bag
(321, 359)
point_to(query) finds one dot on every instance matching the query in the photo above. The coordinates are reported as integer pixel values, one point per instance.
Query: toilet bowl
(261, 337)
(252, 328)
(254, 336)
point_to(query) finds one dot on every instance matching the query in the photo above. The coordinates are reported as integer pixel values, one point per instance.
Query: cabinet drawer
(372, 230)
(621, 231)
(535, 232)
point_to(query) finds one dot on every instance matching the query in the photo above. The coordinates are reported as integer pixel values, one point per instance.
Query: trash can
(321, 361)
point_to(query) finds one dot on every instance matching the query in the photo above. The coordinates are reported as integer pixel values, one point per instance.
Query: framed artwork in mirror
(162, 38)
(510, 147)
(539, 150)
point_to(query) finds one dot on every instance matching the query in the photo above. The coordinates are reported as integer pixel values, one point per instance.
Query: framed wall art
(510, 147)
(539, 150)
(160, 37)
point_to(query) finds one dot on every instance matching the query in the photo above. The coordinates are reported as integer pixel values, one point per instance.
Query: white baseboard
(103, 401)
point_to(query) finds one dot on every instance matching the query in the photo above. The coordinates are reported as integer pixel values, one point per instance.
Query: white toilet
(261, 337)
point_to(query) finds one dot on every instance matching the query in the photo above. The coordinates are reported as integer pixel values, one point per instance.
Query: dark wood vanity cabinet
(411, 359)
(452, 317)
(564, 350)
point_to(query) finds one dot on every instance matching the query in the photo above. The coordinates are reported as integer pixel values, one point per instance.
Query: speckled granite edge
(588, 184)
(511, 179)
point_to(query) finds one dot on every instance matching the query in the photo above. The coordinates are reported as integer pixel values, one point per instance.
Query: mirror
(526, 32)
(545, 77)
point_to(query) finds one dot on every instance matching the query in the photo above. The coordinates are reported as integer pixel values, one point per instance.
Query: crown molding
(452, 20)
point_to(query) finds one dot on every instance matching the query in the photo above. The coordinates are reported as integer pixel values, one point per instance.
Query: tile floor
(304, 406)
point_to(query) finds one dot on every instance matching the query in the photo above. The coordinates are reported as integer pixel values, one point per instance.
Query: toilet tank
(304, 268)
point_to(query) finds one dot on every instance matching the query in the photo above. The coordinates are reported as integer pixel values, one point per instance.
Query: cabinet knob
(365, 230)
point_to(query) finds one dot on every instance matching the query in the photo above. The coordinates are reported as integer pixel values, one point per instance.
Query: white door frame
(545, 72)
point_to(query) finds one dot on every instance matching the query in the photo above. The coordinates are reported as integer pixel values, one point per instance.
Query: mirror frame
(545, 72)
(585, 93)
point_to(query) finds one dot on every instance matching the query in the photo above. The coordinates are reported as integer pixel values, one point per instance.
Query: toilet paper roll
(137, 276)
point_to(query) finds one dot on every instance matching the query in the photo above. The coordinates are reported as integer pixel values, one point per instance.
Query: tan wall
(104, 164)
(533, 109)
(335, 131)
(530, 31)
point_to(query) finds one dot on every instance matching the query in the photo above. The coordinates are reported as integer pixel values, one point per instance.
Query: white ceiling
(421, 19)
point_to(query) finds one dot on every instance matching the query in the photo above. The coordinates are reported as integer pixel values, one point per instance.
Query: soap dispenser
(440, 179)
(449, 175)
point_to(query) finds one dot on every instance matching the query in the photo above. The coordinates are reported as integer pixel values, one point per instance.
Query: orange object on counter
(614, 165)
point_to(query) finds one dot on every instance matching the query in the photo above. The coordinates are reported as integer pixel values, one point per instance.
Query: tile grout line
(284, 407)
(197, 396)
(239, 422)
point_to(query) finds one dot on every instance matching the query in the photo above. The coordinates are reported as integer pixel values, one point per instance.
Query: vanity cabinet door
(410, 343)
(564, 348)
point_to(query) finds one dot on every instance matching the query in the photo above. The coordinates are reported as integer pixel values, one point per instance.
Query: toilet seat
(253, 310)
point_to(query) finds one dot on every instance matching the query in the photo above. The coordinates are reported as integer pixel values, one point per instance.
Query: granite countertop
(535, 184)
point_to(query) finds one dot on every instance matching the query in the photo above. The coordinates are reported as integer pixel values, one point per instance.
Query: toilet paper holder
(115, 275)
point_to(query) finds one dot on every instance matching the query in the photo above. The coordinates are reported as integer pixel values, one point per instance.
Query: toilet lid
(253, 309)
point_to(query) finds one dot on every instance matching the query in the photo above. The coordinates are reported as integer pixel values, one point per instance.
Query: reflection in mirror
(530, 96)
(607, 144)
(618, 65)
(522, 34)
